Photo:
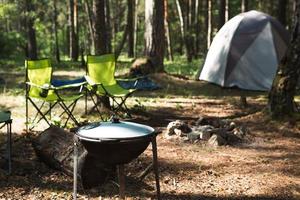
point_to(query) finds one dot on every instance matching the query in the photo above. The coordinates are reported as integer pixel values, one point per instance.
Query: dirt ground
(266, 165)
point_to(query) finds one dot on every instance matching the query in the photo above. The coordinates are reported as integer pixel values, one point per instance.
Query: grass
(181, 67)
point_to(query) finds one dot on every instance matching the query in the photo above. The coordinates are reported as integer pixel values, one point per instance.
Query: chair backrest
(38, 72)
(101, 69)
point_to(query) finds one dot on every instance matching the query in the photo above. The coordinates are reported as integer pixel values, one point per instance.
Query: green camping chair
(5, 119)
(39, 88)
(101, 82)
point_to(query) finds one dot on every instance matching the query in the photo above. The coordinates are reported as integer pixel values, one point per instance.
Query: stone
(230, 126)
(193, 136)
(201, 121)
(240, 132)
(183, 127)
(232, 138)
(179, 132)
(216, 140)
(204, 135)
(204, 132)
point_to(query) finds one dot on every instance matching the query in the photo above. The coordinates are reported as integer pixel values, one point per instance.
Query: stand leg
(121, 178)
(9, 146)
(75, 168)
(155, 166)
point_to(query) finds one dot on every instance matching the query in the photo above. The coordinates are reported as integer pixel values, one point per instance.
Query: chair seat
(53, 97)
(4, 116)
(114, 90)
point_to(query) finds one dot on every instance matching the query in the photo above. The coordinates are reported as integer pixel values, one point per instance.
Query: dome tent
(246, 52)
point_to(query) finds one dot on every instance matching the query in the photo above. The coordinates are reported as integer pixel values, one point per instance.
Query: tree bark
(209, 24)
(154, 30)
(108, 26)
(130, 26)
(244, 6)
(197, 24)
(281, 96)
(90, 22)
(57, 56)
(222, 8)
(99, 27)
(121, 44)
(167, 33)
(181, 25)
(281, 11)
(135, 27)
(72, 30)
(31, 43)
(54, 146)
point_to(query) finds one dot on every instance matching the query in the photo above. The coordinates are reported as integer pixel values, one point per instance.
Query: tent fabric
(245, 52)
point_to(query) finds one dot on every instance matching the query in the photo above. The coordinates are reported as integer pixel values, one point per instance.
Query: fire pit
(116, 143)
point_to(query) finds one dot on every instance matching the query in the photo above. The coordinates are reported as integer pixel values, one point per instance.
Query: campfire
(213, 130)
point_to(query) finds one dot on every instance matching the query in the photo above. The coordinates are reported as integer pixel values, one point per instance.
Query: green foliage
(181, 67)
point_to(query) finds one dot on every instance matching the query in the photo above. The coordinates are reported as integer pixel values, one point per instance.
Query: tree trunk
(57, 56)
(99, 27)
(244, 6)
(121, 44)
(222, 8)
(181, 25)
(130, 26)
(189, 38)
(31, 43)
(209, 25)
(135, 27)
(108, 26)
(90, 22)
(281, 96)
(281, 11)
(169, 48)
(154, 30)
(72, 30)
(197, 28)
(54, 146)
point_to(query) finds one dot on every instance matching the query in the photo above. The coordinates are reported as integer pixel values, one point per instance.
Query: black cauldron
(115, 142)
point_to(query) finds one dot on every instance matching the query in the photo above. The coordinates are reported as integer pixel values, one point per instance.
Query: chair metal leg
(86, 98)
(75, 165)
(38, 110)
(26, 114)
(155, 166)
(69, 113)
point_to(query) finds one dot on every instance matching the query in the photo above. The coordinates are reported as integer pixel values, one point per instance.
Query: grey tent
(246, 52)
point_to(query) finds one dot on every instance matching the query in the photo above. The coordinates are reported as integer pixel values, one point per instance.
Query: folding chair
(101, 82)
(39, 88)
(6, 120)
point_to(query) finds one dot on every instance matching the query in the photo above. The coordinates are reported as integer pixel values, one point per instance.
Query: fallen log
(54, 147)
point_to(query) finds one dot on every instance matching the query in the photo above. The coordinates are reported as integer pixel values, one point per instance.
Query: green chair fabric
(38, 87)
(101, 81)
(5, 119)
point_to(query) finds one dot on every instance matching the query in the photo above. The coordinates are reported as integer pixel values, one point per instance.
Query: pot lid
(114, 130)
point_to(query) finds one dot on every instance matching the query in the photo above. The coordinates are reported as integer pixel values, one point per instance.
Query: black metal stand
(75, 166)
(120, 168)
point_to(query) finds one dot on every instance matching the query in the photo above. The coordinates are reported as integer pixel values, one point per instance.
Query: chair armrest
(45, 86)
(89, 80)
(73, 85)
